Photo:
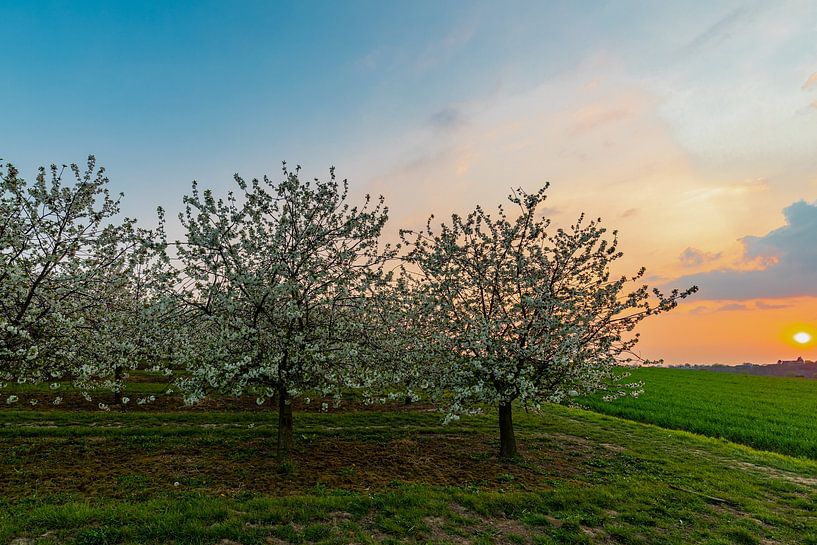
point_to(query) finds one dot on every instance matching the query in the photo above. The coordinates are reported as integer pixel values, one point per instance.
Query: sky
(691, 127)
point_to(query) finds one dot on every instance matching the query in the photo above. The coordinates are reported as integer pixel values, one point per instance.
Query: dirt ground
(145, 465)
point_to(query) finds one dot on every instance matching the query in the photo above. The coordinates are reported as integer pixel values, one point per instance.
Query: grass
(768, 413)
(394, 475)
(389, 477)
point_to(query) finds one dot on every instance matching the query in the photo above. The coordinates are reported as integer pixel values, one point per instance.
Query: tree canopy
(278, 278)
(515, 312)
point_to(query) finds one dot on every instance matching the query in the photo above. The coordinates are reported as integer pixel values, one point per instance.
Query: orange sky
(697, 332)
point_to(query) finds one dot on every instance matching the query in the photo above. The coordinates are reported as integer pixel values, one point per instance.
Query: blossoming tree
(132, 323)
(515, 313)
(276, 281)
(64, 259)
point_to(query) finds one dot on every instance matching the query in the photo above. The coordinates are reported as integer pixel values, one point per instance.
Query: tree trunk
(285, 441)
(507, 439)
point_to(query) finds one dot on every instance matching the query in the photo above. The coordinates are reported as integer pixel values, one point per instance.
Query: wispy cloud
(732, 307)
(762, 305)
(440, 50)
(717, 31)
(702, 310)
(732, 190)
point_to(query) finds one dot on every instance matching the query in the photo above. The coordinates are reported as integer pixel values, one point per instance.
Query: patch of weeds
(98, 536)
(316, 532)
(320, 490)
(287, 533)
(286, 467)
(132, 483)
(193, 482)
(245, 495)
(143, 443)
(741, 536)
(537, 519)
(623, 534)
(347, 471)
(483, 539)
(15, 455)
(471, 488)
(570, 533)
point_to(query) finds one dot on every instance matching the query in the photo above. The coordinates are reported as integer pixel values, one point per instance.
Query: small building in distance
(798, 360)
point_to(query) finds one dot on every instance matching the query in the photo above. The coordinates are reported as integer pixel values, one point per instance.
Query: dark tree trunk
(285, 441)
(507, 439)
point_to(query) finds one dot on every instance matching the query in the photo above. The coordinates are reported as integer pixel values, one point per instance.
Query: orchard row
(281, 288)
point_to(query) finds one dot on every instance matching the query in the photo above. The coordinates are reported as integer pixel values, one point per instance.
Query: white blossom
(276, 281)
(74, 278)
(504, 309)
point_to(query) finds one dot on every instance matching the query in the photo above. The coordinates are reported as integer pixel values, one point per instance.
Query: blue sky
(166, 91)
(163, 92)
(690, 126)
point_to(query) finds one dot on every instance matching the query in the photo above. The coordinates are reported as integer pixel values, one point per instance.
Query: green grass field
(163, 474)
(768, 413)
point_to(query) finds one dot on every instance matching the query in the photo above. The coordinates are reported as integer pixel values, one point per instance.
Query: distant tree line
(283, 289)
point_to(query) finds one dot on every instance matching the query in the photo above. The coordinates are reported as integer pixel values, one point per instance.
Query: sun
(799, 334)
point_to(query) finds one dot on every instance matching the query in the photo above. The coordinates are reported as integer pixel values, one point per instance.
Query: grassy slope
(768, 413)
(389, 477)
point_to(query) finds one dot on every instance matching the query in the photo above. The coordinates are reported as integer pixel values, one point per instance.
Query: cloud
(693, 257)
(441, 50)
(449, 118)
(760, 305)
(728, 191)
(787, 258)
(811, 82)
(732, 307)
(701, 310)
(720, 30)
(627, 167)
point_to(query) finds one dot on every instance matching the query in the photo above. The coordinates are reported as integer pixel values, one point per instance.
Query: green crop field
(769, 413)
(163, 474)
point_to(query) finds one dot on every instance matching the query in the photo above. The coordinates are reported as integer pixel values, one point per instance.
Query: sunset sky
(690, 128)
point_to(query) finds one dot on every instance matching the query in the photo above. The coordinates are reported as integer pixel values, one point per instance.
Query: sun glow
(801, 337)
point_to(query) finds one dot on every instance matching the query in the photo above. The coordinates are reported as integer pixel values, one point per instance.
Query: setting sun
(802, 337)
